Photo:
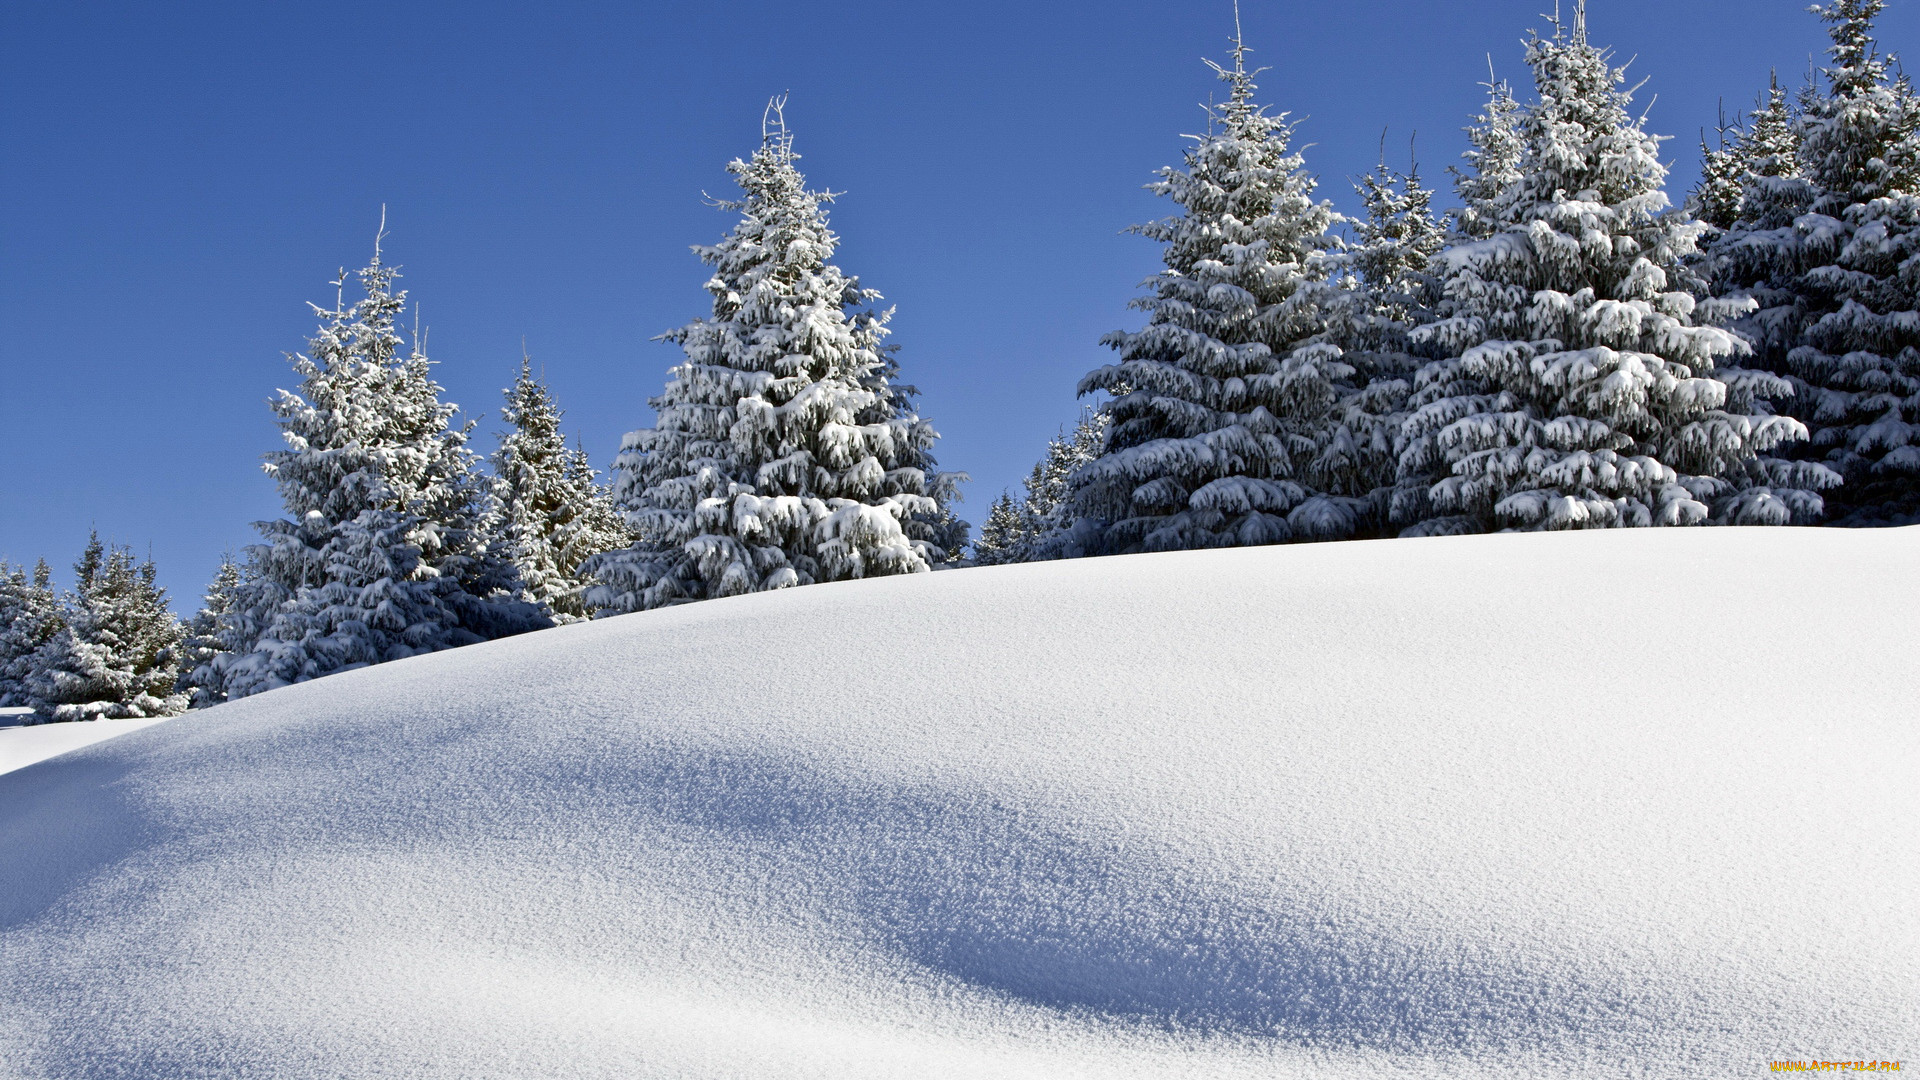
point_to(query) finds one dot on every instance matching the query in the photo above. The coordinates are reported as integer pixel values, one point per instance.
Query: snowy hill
(1603, 804)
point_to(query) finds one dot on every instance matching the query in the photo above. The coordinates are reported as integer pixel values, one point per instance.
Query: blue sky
(179, 179)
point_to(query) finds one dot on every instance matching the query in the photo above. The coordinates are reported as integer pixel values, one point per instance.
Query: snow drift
(1634, 803)
(22, 746)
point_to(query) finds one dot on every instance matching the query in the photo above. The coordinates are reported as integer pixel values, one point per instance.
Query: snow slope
(1604, 804)
(22, 746)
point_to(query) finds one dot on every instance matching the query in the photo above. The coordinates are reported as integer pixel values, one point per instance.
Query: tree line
(1567, 349)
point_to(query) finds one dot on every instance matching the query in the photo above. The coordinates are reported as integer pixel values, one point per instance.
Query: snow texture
(1377, 809)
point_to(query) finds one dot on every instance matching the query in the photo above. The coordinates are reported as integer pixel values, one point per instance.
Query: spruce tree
(119, 654)
(1039, 526)
(1218, 405)
(1394, 245)
(1825, 244)
(1716, 197)
(784, 450)
(552, 514)
(202, 640)
(1004, 536)
(1754, 228)
(385, 553)
(30, 616)
(1493, 161)
(1573, 382)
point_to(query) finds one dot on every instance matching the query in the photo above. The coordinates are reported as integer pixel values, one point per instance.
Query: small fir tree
(1004, 537)
(1394, 245)
(1723, 167)
(553, 515)
(1039, 525)
(1219, 404)
(385, 553)
(1825, 245)
(202, 639)
(119, 654)
(1574, 386)
(784, 452)
(30, 616)
(1493, 156)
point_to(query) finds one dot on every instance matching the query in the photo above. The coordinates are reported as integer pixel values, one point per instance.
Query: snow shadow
(1069, 915)
(62, 822)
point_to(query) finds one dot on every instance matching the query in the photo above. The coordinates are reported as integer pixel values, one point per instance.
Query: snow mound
(1635, 803)
(22, 746)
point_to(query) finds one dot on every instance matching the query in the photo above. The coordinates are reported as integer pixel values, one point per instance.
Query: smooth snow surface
(22, 746)
(1638, 803)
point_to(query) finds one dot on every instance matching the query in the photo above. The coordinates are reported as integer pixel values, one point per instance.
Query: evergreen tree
(1394, 244)
(1716, 198)
(1754, 223)
(1218, 405)
(202, 639)
(386, 553)
(552, 515)
(1039, 525)
(1825, 244)
(1573, 385)
(119, 654)
(1493, 161)
(30, 616)
(784, 451)
(1004, 537)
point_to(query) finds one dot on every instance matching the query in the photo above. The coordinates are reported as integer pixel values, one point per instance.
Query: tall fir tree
(1752, 192)
(1219, 404)
(552, 513)
(118, 656)
(1573, 382)
(784, 450)
(1825, 244)
(385, 553)
(30, 616)
(202, 640)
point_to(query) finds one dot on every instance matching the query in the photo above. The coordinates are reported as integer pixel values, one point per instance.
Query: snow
(1577, 805)
(22, 746)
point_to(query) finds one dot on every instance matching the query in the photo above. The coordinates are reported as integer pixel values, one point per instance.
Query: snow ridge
(1398, 808)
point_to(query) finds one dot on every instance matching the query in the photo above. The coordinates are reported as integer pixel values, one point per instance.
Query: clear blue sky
(178, 179)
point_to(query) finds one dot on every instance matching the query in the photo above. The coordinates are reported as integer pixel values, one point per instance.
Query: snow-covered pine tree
(1038, 526)
(1493, 160)
(1574, 382)
(784, 452)
(1716, 197)
(1394, 244)
(202, 640)
(30, 616)
(1004, 536)
(119, 654)
(552, 514)
(1218, 405)
(1395, 241)
(1753, 231)
(1826, 244)
(386, 553)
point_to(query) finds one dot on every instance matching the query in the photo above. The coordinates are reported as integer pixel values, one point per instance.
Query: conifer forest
(1562, 343)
